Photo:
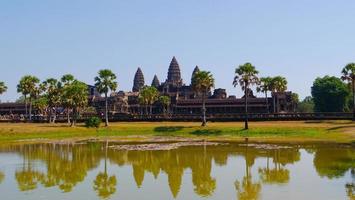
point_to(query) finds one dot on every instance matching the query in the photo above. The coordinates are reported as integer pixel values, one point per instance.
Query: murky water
(92, 171)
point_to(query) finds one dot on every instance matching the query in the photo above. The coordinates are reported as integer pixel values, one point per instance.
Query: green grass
(299, 132)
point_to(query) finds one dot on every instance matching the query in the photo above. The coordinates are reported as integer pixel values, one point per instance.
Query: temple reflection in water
(64, 166)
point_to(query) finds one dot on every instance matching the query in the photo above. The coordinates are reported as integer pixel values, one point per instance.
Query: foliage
(41, 104)
(148, 96)
(348, 74)
(93, 122)
(3, 87)
(278, 84)
(306, 106)
(329, 94)
(202, 82)
(76, 95)
(265, 85)
(165, 102)
(246, 76)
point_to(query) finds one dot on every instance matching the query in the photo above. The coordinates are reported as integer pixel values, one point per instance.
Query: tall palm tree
(29, 87)
(53, 90)
(265, 87)
(278, 84)
(246, 76)
(77, 98)
(348, 74)
(105, 82)
(165, 101)
(203, 82)
(66, 81)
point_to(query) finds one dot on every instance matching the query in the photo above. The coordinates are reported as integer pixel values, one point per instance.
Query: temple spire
(174, 74)
(197, 69)
(138, 82)
(155, 82)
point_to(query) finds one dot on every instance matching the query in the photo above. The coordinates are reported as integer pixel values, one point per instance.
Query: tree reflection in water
(105, 185)
(2, 177)
(66, 165)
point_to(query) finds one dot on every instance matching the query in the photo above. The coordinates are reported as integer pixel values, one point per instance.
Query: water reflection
(66, 165)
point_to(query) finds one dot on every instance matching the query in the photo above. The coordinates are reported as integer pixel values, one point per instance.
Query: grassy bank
(298, 132)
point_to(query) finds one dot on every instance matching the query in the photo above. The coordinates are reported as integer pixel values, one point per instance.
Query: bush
(93, 122)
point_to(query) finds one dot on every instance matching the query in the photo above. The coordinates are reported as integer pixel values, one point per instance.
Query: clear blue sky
(299, 39)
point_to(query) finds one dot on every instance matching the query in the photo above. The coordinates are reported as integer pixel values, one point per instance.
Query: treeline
(332, 94)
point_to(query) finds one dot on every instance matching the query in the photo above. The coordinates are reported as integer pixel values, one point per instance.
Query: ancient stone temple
(184, 101)
(138, 81)
(155, 82)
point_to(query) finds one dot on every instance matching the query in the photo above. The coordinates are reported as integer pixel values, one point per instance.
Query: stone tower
(194, 72)
(174, 74)
(155, 82)
(138, 82)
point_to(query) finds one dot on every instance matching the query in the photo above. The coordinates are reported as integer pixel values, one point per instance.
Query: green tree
(29, 87)
(105, 82)
(66, 81)
(329, 94)
(77, 98)
(3, 87)
(306, 106)
(41, 104)
(246, 76)
(348, 74)
(53, 90)
(148, 96)
(278, 84)
(265, 87)
(203, 82)
(165, 102)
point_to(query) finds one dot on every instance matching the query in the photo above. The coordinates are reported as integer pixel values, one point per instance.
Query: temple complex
(185, 101)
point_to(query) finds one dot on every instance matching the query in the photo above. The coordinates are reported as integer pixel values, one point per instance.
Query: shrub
(93, 122)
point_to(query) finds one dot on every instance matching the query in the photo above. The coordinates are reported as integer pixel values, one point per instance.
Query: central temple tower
(174, 75)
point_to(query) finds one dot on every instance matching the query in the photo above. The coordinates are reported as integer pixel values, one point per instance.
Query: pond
(100, 170)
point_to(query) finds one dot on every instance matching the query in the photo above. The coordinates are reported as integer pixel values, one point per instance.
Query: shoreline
(290, 132)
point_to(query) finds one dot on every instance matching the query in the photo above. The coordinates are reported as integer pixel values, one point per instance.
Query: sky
(300, 40)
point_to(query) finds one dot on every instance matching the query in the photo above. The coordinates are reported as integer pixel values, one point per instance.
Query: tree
(295, 101)
(41, 104)
(66, 81)
(148, 96)
(77, 98)
(329, 94)
(348, 74)
(278, 84)
(3, 87)
(53, 90)
(246, 76)
(104, 82)
(29, 87)
(165, 102)
(265, 87)
(306, 106)
(203, 82)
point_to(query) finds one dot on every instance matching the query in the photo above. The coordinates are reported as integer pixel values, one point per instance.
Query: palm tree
(148, 96)
(3, 87)
(28, 86)
(77, 97)
(278, 84)
(53, 89)
(349, 75)
(165, 101)
(66, 80)
(105, 82)
(246, 76)
(265, 87)
(203, 82)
